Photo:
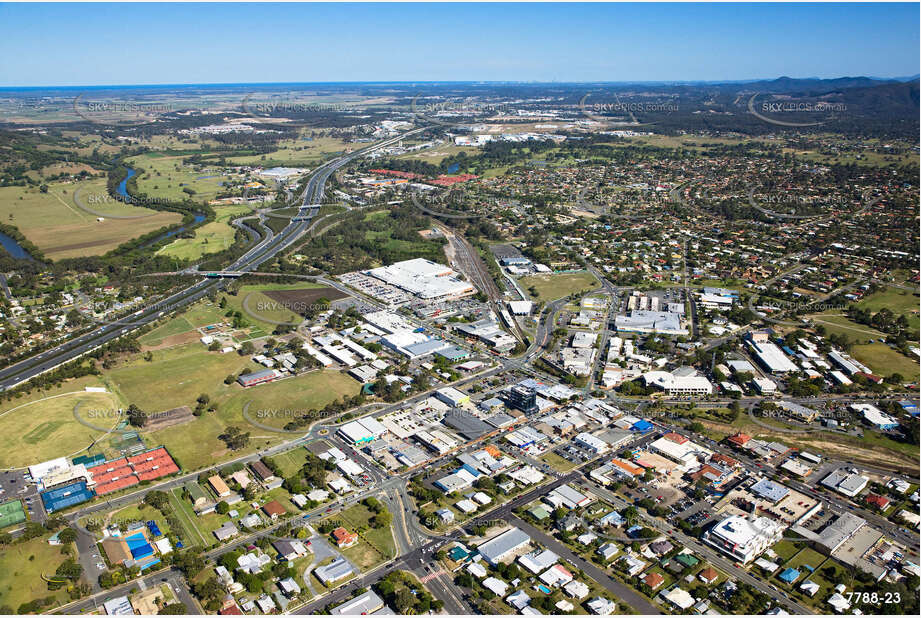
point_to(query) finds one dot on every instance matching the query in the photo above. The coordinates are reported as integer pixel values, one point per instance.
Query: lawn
(884, 361)
(176, 376)
(375, 544)
(183, 511)
(291, 461)
(209, 238)
(837, 324)
(196, 444)
(21, 569)
(552, 287)
(807, 556)
(900, 302)
(42, 426)
(785, 550)
(61, 229)
(174, 326)
(556, 462)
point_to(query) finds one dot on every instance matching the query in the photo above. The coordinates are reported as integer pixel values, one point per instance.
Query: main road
(263, 251)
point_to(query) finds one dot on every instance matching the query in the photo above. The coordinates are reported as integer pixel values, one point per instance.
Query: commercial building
(334, 571)
(875, 417)
(521, 398)
(744, 539)
(504, 546)
(452, 396)
(362, 605)
(362, 431)
(259, 377)
(846, 483)
(489, 332)
(424, 279)
(771, 357)
(685, 385)
(640, 321)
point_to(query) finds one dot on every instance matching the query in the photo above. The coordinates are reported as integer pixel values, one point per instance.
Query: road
(263, 251)
(172, 577)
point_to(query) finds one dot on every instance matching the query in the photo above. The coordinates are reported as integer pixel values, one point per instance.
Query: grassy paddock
(552, 287)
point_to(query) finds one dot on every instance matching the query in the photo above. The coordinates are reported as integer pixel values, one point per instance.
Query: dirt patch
(173, 340)
(300, 301)
(169, 418)
(890, 460)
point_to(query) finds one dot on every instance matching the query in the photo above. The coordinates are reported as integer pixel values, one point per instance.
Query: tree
(173, 609)
(67, 535)
(222, 507)
(235, 438)
(136, 416)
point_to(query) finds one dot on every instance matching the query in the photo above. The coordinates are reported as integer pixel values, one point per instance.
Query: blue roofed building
(789, 575)
(66, 496)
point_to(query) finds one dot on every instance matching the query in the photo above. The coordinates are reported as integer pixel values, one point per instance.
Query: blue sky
(90, 44)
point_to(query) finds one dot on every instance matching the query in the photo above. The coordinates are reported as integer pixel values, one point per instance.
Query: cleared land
(209, 238)
(552, 287)
(884, 361)
(42, 426)
(61, 229)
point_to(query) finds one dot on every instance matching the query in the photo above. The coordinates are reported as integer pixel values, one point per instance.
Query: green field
(21, 569)
(294, 153)
(552, 287)
(176, 376)
(42, 426)
(61, 229)
(837, 324)
(166, 176)
(884, 361)
(196, 444)
(212, 237)
(291, 461)
(262, 311)
(900, 302)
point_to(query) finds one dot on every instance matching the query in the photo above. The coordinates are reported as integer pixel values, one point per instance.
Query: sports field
(836, 323)
(42, 426)
(61, 229)
(552, 287)
(209, 238)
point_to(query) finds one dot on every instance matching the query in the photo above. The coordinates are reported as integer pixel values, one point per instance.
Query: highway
(264, 250)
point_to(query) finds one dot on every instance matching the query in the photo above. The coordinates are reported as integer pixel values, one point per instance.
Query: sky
(102, 44)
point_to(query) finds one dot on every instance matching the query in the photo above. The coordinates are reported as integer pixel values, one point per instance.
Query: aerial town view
(459, 308)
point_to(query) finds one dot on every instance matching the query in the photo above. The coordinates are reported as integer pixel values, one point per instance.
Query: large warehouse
(425, 279)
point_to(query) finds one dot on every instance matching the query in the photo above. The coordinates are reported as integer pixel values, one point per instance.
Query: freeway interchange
(264, 250)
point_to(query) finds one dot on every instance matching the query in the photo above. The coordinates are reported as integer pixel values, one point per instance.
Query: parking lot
(15, 486)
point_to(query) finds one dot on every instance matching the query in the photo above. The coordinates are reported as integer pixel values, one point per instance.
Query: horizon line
(663, 82)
